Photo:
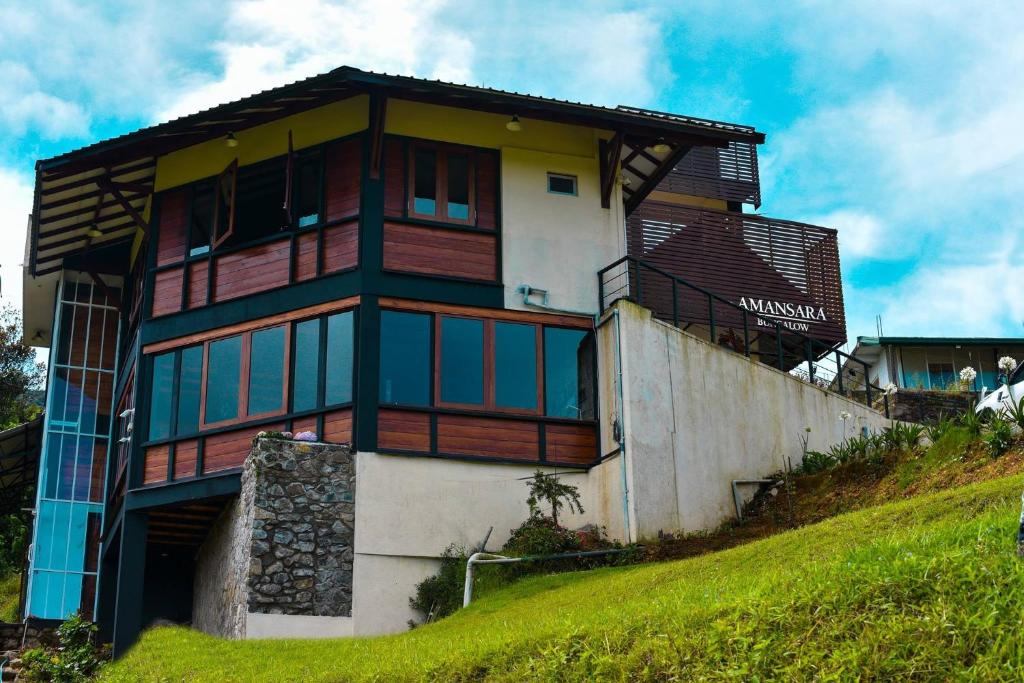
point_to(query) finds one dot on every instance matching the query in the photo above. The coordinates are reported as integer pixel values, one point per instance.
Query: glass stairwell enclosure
(69, 507)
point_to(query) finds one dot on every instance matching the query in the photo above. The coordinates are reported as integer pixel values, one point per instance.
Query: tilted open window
(224, 204)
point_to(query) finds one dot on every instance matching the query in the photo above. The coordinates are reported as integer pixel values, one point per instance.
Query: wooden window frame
(441, 151)
(242, 413)
(225, 187)
(489, 404)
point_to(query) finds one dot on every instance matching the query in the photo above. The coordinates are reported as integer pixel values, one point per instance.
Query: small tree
(545, 488)
(20, 375)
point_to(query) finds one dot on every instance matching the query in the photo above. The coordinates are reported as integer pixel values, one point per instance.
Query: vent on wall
(559, 183)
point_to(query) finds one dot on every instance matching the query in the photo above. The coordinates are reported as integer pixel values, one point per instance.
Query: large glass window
(160, 401)
(223, 377)
(190, 389)
(266, 371)
(425, 182)
(338, 377)
(307, 365)
(462, 361)
(307, 191)
(568, 373)
(515, 366)
(405, 362)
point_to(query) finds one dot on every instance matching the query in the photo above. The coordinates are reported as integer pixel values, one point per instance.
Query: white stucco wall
(697, 416)
(556, 242)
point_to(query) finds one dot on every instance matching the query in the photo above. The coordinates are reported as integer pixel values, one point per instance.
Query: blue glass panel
(405, 358)
(307, 370)
(160, 396)
(47, 594)
(339, 358)
(222, 379)
(515, 365)
(44, 535)
(190, 380)
(462, 361)
(266, 371)
(86, 451)
(562, 360)
(72, 595)
(78, 527)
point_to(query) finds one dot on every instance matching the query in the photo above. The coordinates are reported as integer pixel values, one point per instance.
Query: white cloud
(24, 105)
(15, 206)
(860, 233)
(271, 43)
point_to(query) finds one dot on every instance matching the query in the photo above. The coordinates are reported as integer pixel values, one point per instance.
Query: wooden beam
(610, 153)
(652, 181)
(378, 115)
(140, 222)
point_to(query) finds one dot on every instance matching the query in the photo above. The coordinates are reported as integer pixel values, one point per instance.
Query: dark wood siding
(342, 166)
(167, 291)
(305, 256)
(338, 426)
(251, 270)
(488, 437)
(341, 247)
(403, 430)
(154, 467)
(185, 453)
(228, 450)
(487, 190)
(575, 444)
(198, 277)
(173, 226)
(394, 178)
(437, 251)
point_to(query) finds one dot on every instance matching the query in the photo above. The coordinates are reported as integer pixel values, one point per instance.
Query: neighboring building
(410, 267)
(934, 363)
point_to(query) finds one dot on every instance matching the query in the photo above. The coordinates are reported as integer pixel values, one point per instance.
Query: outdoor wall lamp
(514, 124)
(231, 140)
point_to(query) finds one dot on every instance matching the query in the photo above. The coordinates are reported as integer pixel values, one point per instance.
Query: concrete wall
(697, 416)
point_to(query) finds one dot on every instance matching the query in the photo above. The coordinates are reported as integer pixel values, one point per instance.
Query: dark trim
(485, 459)
(131, 575)
(519, 417)
(213, 486)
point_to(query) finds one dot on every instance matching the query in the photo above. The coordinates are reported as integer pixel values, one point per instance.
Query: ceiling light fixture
(514, 124)
(94, 232)
(231, 140)
(661, 147)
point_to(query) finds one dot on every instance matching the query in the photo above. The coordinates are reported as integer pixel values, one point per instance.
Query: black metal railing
(755, 335)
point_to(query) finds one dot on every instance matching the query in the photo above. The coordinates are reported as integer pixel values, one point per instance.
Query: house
(451, 287)
(934, 363)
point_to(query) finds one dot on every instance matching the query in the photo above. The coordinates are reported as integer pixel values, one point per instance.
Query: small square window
(561, 184)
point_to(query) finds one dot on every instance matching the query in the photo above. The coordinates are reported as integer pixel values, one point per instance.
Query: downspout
(621, 431)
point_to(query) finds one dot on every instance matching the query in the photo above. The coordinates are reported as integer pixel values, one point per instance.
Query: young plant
(546, 488)
(999, 436)
(936, 430)
(1015, 413)
(972, 422)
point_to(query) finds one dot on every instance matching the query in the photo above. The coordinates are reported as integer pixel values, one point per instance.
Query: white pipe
(622, 428)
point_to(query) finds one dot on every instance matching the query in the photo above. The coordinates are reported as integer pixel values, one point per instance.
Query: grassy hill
(10, 596)
(927, 588)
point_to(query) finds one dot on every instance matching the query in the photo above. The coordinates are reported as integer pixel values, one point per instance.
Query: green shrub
(972, 422)
(1015, 413)
(939, 428)
(439, 595)
(75, 660)
(816, 461)
(999, 435)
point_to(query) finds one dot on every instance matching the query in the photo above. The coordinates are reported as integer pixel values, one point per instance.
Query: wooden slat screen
(251, 270)
(173, 227)
(342, 167)
(728, 173)
(439, 251)
(167, 291)
(736, 256)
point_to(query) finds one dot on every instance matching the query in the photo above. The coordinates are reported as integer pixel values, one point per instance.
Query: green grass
(10, 595)
(927, 589)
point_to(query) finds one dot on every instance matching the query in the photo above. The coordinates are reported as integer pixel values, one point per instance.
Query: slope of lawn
(927, 588)
(10, 596)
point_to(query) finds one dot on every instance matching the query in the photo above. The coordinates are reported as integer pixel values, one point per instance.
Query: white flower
(1007, 364)
(968, 374)
(890, 389)
(844, 416)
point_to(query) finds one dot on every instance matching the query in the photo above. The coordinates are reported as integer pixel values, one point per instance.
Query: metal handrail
(809, 344)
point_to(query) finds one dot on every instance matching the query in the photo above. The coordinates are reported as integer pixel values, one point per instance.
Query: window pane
(160, 398)
(515, 365)
(189, 381)
(338, 382)
(266, 370)
(307, 192)
(259, 199)
(222, 379)
(404, 358)
(462, 361)
(307, 365)
(568, 373)
(458, 186)
(202, 220)
(425, 181)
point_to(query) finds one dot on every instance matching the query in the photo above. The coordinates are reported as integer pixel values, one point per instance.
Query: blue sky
(895, 122)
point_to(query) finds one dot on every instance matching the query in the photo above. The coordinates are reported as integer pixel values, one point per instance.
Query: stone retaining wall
(918, 405)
